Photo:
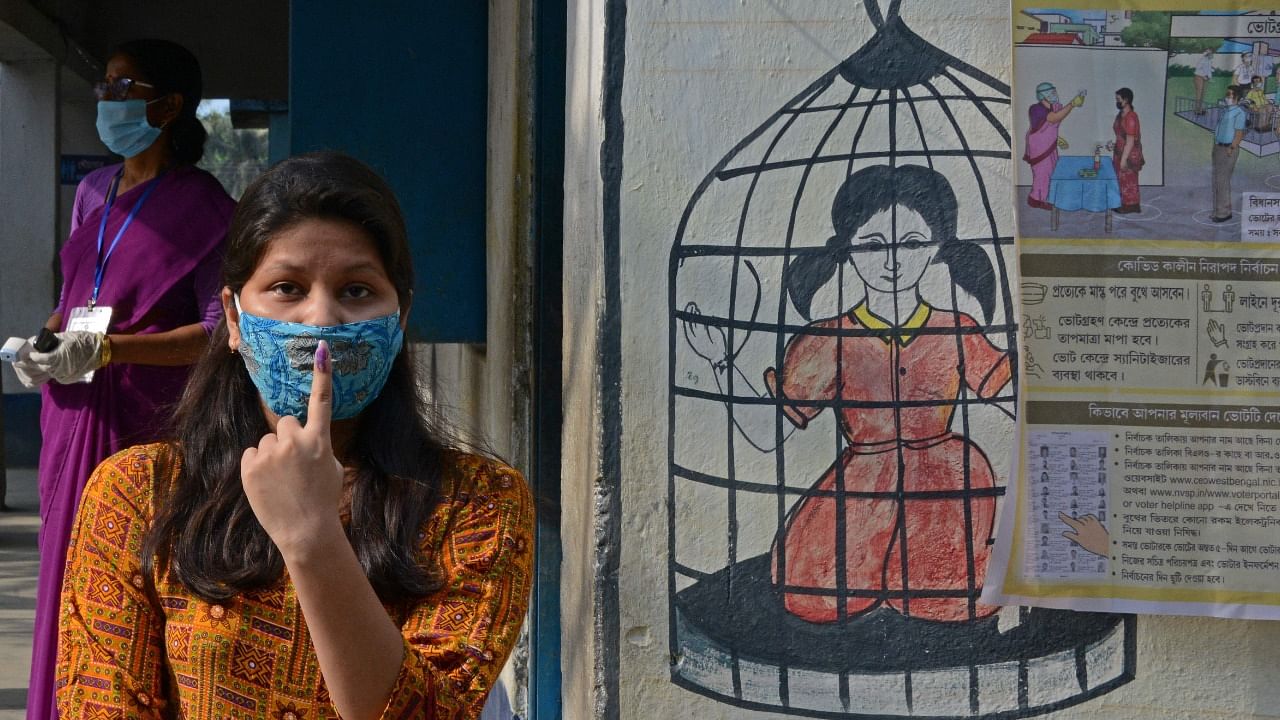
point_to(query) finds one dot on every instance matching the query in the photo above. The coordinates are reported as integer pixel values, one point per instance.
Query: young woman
(310, 544)
(894, 366)
(145, 252)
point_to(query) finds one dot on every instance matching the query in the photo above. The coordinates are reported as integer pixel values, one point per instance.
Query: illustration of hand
(1217, 333)
(1078, 100)
(707, 341)
(1087, 532)
(1111, 146)
(1062, 143)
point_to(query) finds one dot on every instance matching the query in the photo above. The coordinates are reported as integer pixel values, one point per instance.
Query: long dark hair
(880, 187)
(204, 532)
(173, 69)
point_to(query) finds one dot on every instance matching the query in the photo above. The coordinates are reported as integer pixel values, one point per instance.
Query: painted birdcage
(842, 358)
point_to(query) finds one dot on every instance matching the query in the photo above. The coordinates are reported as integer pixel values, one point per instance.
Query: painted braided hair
(877, 188)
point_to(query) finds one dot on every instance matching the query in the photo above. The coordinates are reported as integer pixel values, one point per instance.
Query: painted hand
(77, 353)
(1078, 100)
(1087, 532)
(707, 341)
(1063, 144)
(292, 479)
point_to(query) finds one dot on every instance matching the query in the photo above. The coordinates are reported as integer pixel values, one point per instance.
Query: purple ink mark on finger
(322, 356)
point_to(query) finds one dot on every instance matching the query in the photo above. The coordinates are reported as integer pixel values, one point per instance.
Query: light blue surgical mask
(123, 126)
(280, 357)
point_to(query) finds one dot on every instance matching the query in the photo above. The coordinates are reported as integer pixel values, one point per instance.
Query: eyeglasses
(117, 89)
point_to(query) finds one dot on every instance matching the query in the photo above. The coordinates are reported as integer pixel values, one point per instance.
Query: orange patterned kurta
(124, 654)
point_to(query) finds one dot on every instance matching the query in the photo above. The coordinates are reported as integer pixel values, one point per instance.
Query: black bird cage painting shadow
(852, 255)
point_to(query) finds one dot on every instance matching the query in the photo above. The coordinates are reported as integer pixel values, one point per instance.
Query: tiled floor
(19, 566)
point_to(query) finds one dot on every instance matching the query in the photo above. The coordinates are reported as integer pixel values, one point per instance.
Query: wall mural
(852, 255)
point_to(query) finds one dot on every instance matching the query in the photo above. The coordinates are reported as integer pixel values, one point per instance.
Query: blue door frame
(549, 28)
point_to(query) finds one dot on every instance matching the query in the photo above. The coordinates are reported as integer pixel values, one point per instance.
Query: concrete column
(28, 203)
(586, 632)
(28, 196)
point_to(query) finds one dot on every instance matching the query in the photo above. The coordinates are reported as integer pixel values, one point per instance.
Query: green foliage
(1148, 29)
(233, 156)
(1151, 29)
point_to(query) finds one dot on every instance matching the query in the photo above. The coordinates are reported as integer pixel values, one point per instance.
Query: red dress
(898, 446)
(1126, 126)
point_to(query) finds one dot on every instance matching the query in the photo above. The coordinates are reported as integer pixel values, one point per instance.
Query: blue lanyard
(101, 266)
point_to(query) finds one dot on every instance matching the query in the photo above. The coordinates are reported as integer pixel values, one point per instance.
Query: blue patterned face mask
(280, 357)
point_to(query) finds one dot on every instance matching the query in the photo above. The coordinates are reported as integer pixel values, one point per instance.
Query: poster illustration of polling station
(1147, 138)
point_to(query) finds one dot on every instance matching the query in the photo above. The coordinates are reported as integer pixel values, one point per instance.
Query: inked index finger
(320, 406)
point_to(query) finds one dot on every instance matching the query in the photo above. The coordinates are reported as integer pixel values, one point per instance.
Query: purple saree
(163, 275)
(1041, 148)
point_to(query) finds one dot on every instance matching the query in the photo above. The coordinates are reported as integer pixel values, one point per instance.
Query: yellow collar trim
(872, 322)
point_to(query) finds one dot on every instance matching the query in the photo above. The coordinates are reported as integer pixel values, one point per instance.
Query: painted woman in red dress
(918, 498)
(1127, 152)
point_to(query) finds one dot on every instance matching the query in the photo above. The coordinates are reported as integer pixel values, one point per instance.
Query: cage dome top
(895, 57)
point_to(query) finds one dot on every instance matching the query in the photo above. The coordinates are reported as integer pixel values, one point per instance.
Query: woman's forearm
(180, 346)
(359, 648)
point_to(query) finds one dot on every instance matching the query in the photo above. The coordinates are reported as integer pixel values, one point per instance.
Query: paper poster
(1148, 194)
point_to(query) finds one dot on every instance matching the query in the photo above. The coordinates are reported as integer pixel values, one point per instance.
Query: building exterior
(1089, 34)
(1026, 24)
(1117, 21)
(1064, 38)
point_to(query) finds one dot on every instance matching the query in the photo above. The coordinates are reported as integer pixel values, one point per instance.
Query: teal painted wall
(403, 86)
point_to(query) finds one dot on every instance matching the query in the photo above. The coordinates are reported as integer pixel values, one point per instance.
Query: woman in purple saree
(1042, 141)
(146, 240)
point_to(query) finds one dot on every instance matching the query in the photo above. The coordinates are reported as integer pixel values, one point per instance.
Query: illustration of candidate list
(1066, 506)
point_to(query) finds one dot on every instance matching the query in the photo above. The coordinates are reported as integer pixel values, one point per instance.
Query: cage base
(735, 641)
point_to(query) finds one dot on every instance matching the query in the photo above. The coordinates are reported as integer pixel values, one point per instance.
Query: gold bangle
(104, 357)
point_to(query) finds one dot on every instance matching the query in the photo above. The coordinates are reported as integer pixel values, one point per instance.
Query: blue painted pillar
(402, 85)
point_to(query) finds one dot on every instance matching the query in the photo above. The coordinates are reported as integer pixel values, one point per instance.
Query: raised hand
(1217, 333)
(707, 341)
(292, 478)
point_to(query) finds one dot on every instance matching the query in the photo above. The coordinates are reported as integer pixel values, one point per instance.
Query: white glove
(29, 373)
(77, 353)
